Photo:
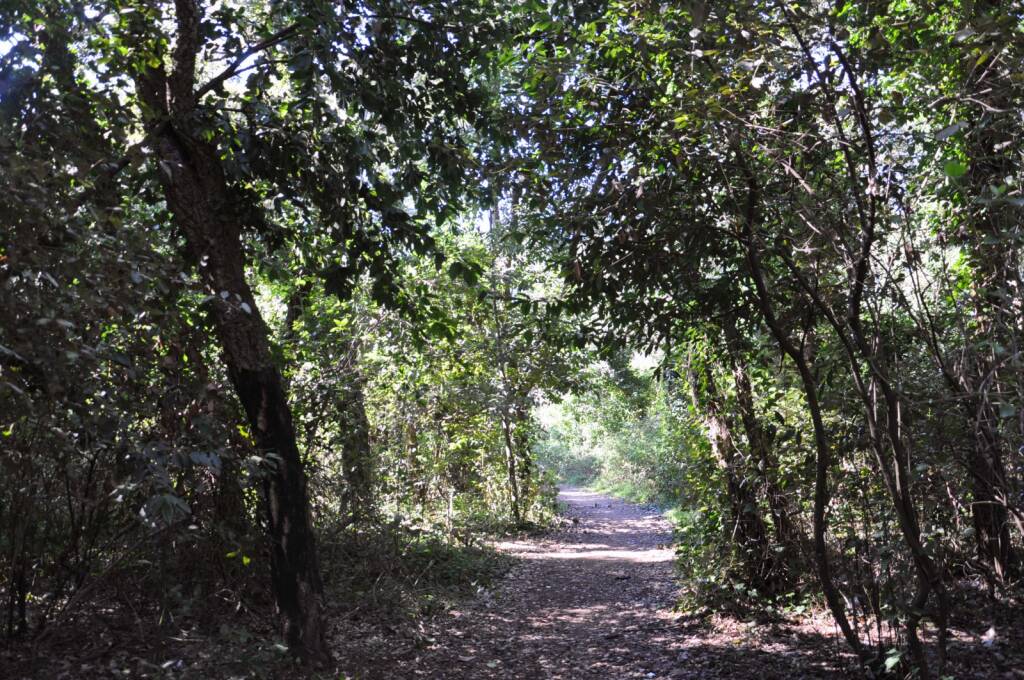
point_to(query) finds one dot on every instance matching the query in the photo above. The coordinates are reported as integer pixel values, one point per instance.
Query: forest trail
(594, 601)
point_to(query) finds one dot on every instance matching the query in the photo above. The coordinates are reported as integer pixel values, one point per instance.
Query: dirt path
(596, 601)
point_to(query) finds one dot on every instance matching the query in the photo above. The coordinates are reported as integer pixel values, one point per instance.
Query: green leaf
(955, 169)
(244, 432)
(440, 330)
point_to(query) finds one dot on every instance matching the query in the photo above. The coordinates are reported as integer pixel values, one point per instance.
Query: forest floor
(594, 600)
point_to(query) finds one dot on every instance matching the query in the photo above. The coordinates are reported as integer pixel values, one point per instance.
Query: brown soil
(595, 600)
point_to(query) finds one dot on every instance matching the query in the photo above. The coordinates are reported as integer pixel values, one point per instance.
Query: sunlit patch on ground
(599, 601)
(631, 556)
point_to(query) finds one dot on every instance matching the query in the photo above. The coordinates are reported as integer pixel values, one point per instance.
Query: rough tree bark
(204, 209)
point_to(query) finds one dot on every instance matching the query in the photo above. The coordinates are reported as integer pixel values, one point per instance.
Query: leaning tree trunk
(200, 199)
(197, 194)
(752, 246)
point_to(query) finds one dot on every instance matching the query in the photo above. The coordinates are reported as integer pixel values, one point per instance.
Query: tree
(759, 164)
(381, 98)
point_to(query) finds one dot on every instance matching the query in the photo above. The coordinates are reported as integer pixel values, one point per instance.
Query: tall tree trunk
(752, 246)
(995, 259)
(510, 465)
(200, 199)
(197, 194)
(501, 352)
(988, 507)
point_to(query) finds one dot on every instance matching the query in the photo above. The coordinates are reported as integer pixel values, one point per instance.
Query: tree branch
(236, 65)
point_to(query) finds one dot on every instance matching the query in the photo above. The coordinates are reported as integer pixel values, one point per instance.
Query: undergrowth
(392, 572)
(630, 491)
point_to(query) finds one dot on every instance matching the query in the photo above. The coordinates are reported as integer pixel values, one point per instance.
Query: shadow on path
(595, 601)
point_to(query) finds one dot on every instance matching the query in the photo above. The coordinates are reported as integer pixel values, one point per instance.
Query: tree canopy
(290, 284)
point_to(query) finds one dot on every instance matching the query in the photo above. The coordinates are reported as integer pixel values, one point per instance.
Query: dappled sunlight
(597, 601)
(615, 532)
(630, 556)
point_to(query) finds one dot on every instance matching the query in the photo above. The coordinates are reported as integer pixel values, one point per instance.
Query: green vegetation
(623, 434)
(303, 302)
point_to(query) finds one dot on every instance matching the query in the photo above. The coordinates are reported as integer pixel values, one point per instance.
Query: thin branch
(236, 65)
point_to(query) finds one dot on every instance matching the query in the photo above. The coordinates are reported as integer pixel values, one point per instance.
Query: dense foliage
(820, 201)
(297, 294)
